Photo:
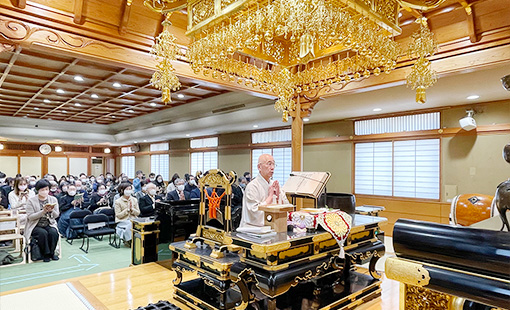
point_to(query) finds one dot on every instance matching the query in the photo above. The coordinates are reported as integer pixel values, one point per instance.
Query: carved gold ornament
(419, 298)
(290, 46)
(165, 49)
(422, 46)
(406, 272)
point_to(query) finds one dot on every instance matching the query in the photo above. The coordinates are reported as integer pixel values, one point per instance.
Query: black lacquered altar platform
(292, 270)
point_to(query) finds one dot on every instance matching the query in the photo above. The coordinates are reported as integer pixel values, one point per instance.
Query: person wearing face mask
(126, 208)
(191, 184)
(68, 203)
(54, 190)
(19, 196)
(242, 183)
(160, 185)
(99, 199)
(152, 177)
(6, 190)
(31, 182)
(63, 190)
(80, 189)
(42, 210)
(179, 193)
(147, 201)
(143, 192)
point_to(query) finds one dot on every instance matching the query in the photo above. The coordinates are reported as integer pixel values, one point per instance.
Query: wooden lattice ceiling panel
(37, 85)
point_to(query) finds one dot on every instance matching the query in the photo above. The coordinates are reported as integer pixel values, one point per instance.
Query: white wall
(31, 166)
(57, 166)
(9, 165)
(78, 165)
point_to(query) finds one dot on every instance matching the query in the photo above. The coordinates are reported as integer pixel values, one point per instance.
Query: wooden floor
(132, 287)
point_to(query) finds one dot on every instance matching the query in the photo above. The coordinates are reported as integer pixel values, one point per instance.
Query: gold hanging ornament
(422, 45)
(164, 48)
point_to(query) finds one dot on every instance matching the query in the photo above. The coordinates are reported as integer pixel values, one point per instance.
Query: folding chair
(96, 225)
(76, 225)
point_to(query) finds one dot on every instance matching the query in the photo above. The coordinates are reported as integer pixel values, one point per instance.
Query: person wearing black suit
(148, 201)
(179, 193)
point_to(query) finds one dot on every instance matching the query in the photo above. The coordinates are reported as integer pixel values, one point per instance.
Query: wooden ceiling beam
(53, 80)
(78, 12)
(87, 90)
(108, 101)
(112, 113)
(10, 64)
(125, 17)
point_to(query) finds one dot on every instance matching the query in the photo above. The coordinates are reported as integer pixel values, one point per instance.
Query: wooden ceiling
(32, 83)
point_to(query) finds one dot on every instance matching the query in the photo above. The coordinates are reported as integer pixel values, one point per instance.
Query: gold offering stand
(296, 269)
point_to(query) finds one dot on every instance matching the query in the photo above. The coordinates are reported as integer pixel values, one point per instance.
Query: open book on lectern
(309, 184)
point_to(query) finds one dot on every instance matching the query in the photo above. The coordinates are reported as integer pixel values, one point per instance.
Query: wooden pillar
(297, 137)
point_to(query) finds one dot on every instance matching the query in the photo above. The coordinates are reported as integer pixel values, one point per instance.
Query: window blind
(206, 142)
(126, 150)
(160, 165)
(414, 122)
(271, 136)
(159, 147)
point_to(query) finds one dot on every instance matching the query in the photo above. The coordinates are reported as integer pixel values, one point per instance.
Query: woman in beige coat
(126, 208)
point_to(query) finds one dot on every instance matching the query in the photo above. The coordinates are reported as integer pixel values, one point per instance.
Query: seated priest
(147, 201)
(178, 193)
(261, 191)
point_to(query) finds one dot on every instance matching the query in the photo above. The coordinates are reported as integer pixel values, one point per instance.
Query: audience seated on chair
(68, 203)
(147, 201)
(99, 199)
(126, 208)
(179, 193)
(19, 196)
(42, 210)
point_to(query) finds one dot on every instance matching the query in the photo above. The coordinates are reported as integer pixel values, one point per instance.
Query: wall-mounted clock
(45, 149)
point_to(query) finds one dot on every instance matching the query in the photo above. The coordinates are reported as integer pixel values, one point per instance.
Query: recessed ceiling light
(60, 91)
(472, 97)
(255, 126)
(377, 110)
(28, 114)
(180, 96)
(94, 96)
(113, 116)
(78, 143)
(78, 78)
(306, 119)
(64, 111)
(117, 84)
(49, 118)
(131, 111)
(47, 101)
(187, 135)
(144, 140)
(134, 141)
(153, 104)
(36, 108)
(24, 116)
(77, 104)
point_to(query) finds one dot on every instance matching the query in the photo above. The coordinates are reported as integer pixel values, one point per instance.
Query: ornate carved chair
(215, 213)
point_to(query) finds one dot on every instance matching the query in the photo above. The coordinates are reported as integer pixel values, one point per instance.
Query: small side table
(144, 247)
(369, 210)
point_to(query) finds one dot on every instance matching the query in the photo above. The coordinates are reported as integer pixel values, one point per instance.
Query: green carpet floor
(73, 263)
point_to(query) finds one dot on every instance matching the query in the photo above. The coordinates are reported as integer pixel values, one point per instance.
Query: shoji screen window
(282, 155)
(160, 162)
(127, 166)
(203, 161)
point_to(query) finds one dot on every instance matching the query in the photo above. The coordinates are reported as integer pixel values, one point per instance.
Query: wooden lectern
(276, 216)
